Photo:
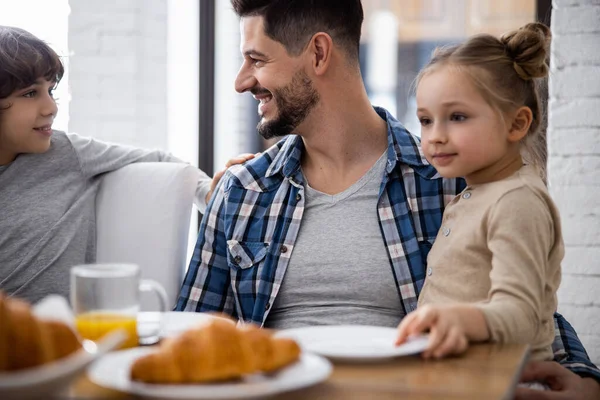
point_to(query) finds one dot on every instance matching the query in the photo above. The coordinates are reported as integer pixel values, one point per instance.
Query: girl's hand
(447, 336)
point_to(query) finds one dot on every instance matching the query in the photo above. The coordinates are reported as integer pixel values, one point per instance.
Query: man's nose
(244, 80)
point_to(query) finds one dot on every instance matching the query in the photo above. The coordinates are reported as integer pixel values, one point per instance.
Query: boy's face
(26, 118)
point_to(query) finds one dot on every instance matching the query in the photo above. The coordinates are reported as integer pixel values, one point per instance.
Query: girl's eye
(458, 117)
(30, 94)
(424, 121)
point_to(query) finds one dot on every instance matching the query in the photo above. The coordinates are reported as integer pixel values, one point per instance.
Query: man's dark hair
(24, 59)
(293, 22)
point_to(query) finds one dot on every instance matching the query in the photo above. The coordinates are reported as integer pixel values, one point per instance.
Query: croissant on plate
(215, 351)
(27, 341)
(270, 353)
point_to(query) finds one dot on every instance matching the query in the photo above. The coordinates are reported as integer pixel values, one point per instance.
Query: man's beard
(294, 103)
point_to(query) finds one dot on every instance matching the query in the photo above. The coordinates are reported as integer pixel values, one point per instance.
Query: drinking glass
(105, 297)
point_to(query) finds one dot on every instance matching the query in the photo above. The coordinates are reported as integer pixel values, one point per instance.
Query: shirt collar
(287, 160)
(403, 147)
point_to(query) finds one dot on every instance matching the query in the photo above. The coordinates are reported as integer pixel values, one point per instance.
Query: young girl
(494, 269)
(49, 179)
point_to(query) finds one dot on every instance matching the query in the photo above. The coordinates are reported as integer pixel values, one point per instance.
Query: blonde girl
(494, 269)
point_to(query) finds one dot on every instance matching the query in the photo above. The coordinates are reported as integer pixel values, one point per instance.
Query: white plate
(112, 371)
(355, 343)
(169, 323)
(54, 377)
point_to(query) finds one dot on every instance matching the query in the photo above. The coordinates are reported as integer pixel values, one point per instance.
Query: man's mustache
(259, 91)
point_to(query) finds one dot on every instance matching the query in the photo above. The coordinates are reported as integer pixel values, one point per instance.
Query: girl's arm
(526, 246)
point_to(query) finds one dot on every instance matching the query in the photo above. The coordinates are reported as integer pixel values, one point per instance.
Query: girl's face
(26, 118)
(462, 135)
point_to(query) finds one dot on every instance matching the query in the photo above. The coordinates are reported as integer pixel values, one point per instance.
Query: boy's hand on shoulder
(242, 158)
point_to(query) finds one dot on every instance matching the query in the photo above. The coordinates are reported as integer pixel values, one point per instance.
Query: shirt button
(237, 259)
(267, 306)
(467, 195)
(429, 271)
(298, 197)
(283, 249)
(446, 231)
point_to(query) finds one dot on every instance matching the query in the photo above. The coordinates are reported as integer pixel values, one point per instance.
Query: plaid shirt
(250, 227)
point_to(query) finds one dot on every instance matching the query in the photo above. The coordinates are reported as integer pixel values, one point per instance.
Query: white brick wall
(574, 162)
(118, 70)
(134, 75)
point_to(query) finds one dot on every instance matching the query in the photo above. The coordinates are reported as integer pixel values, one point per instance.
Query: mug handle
(149, 285)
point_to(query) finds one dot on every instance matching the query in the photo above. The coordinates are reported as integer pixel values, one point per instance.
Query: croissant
(26, 341)
(270, 353)
(214, 351)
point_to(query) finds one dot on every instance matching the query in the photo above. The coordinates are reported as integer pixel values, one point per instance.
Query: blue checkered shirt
(248, 233)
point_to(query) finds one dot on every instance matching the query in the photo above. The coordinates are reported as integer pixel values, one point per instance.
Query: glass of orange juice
(106, 297)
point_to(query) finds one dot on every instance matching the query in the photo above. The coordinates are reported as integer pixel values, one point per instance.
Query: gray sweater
(47, 210)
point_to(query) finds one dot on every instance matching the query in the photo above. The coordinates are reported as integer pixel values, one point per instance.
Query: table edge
(510, 394)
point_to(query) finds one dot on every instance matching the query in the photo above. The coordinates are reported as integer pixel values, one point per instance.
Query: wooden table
(486, 371)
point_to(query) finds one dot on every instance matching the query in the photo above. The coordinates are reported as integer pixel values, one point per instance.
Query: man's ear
(321, 47)
(520, 124)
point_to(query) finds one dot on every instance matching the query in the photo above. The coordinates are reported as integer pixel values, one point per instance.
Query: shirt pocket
(244, 255)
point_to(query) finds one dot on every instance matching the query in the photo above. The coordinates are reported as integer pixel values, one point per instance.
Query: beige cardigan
(500, 247)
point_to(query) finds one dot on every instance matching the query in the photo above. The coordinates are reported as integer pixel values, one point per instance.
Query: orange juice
(94, 325)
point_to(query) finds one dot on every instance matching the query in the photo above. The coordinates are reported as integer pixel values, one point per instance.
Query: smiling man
(333, 224)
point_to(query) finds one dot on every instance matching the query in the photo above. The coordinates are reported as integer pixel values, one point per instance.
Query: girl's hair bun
(528, 47)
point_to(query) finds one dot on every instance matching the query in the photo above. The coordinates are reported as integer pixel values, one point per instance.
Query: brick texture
(118, 75)
(574, 161)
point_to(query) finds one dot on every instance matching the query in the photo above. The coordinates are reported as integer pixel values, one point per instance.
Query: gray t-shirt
(339, 272)
(47, 210)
